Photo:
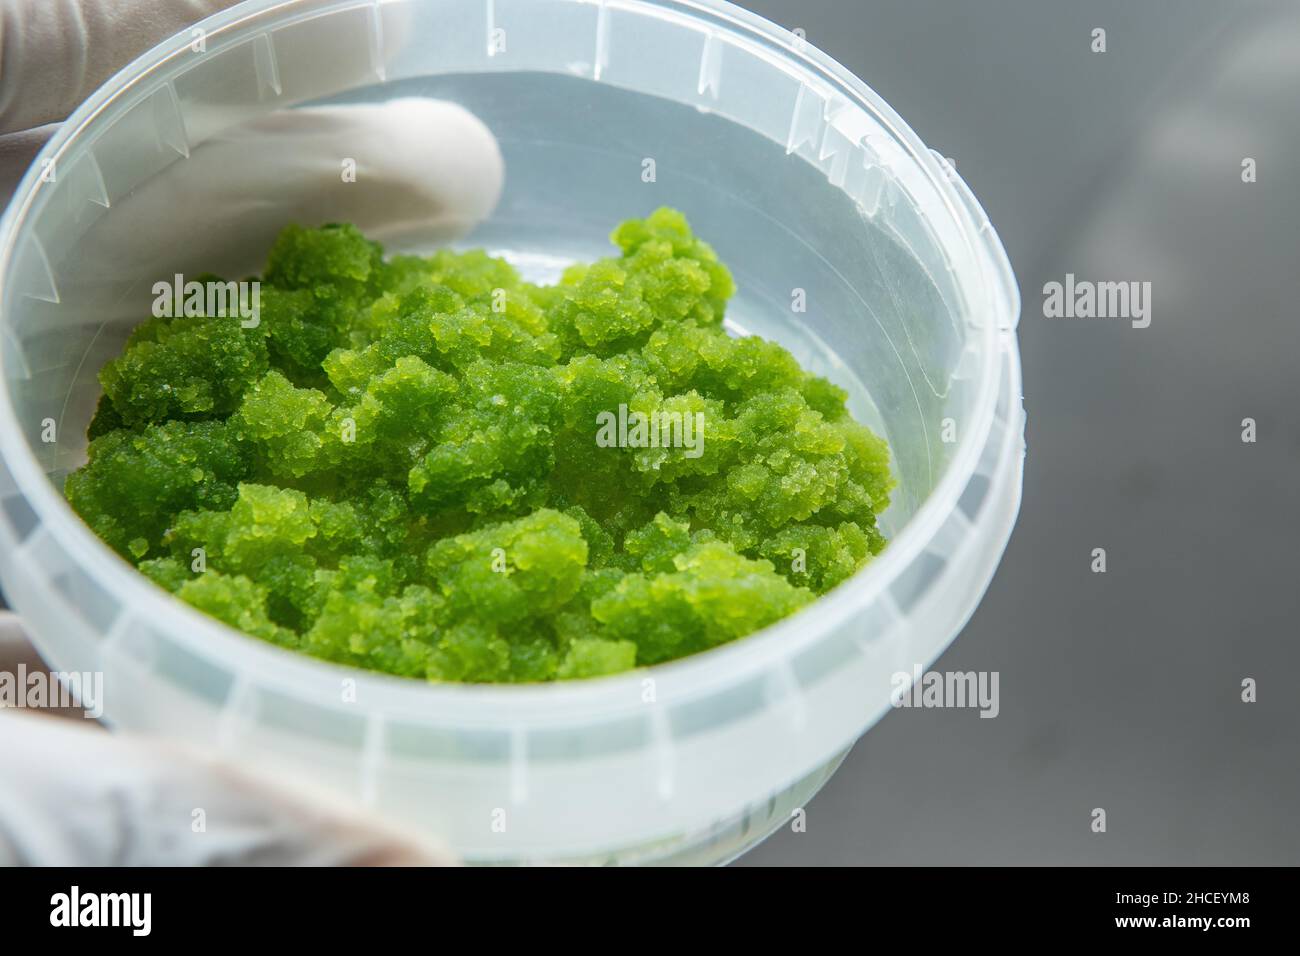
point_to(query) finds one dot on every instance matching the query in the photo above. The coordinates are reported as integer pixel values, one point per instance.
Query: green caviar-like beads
(398, 466)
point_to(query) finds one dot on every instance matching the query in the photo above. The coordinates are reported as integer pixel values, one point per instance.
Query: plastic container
(798, 174)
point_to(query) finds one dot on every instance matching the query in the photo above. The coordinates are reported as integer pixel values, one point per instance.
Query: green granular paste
(398, 467)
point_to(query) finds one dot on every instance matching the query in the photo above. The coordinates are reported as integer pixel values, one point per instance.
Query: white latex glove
(423, 168)
(70, 793)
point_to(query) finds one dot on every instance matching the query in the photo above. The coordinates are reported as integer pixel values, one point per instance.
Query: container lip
(507, 705)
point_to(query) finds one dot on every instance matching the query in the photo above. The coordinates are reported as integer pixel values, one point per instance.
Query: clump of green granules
(398, 467)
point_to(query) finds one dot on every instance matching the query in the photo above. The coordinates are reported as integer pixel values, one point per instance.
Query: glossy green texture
(398, 468)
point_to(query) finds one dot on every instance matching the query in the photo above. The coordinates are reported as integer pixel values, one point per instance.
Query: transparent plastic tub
(795, 171)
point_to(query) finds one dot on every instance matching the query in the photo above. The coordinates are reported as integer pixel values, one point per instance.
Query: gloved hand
(72, 794)
(422, 167)
(69, 792)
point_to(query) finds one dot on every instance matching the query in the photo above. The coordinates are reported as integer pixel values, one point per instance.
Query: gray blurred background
(1119, 690)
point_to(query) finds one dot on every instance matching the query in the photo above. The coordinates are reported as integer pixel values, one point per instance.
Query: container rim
(507, 705)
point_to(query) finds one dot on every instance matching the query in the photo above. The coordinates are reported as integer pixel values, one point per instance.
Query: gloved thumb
(73, 795)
